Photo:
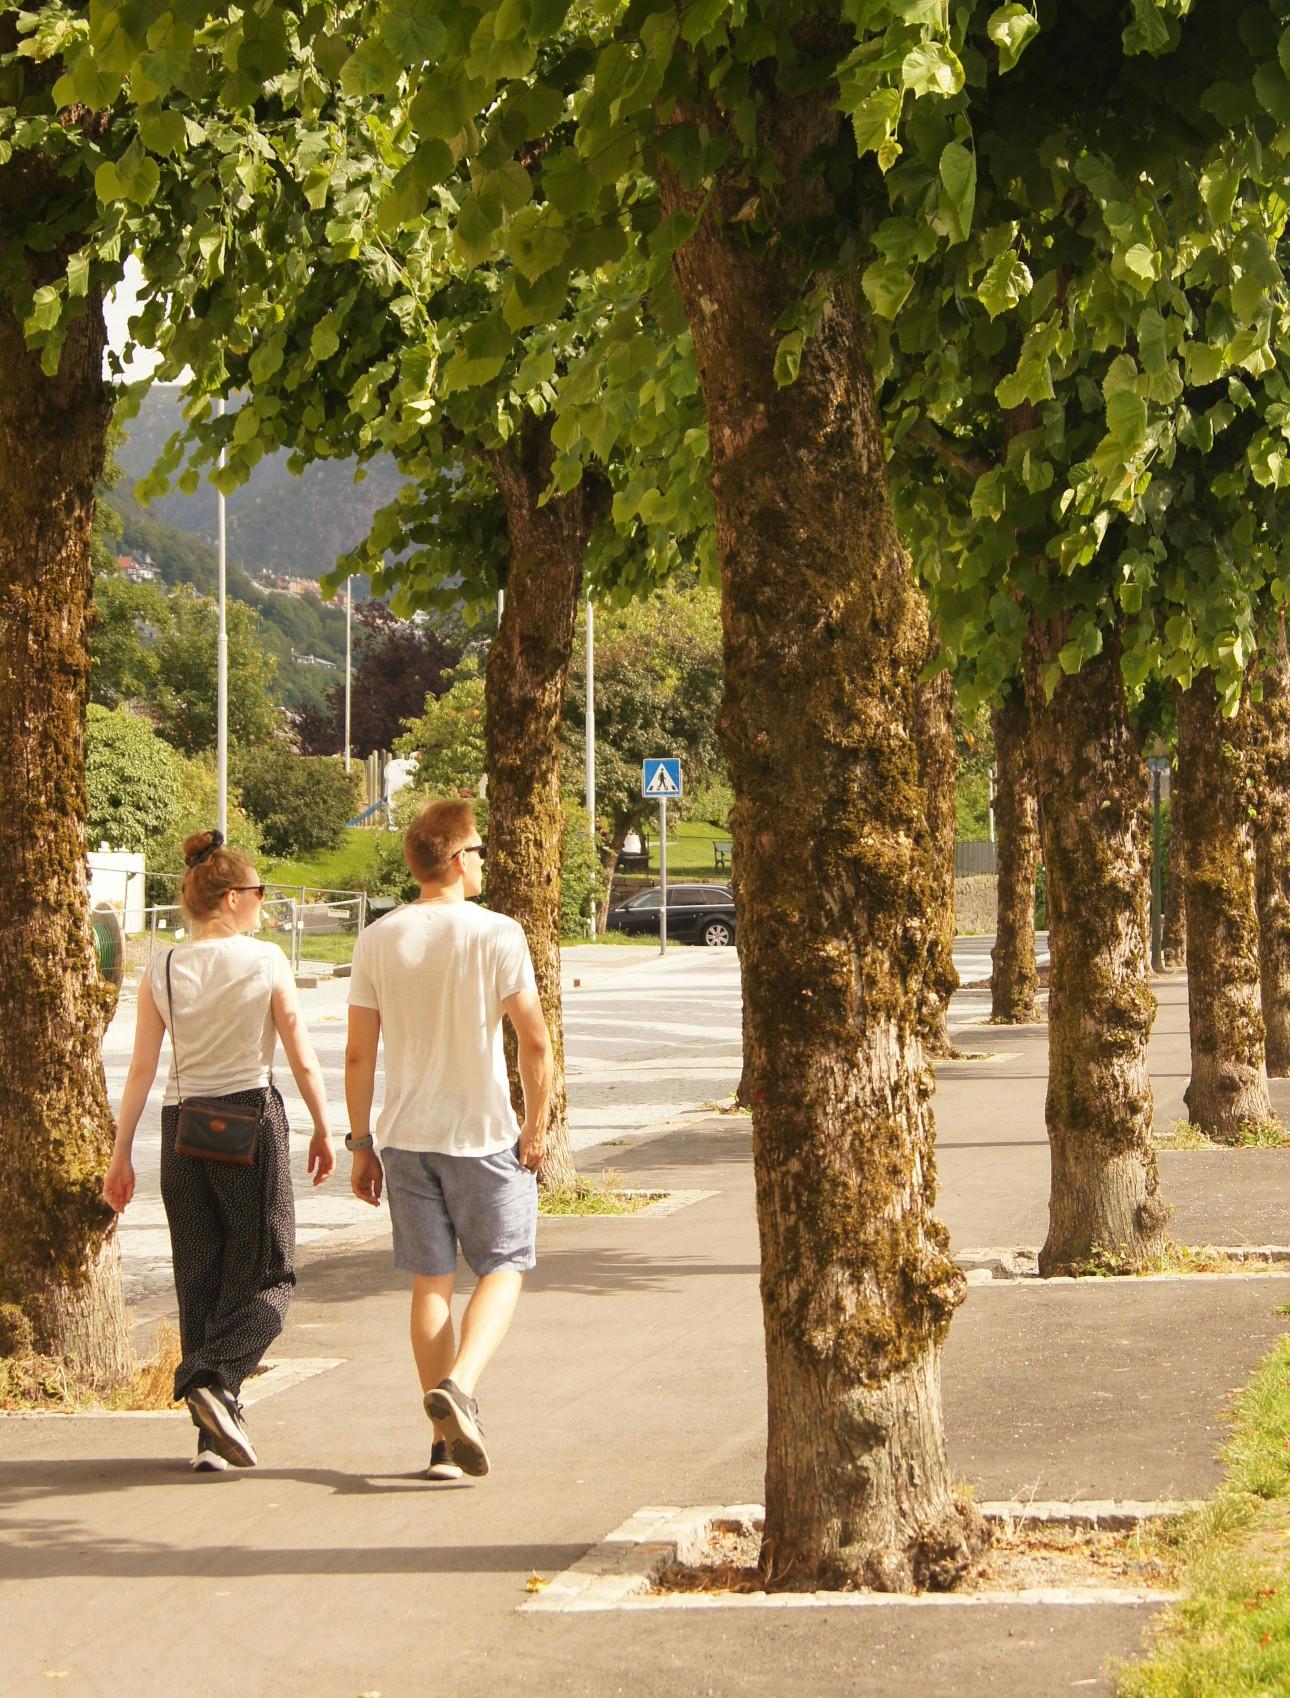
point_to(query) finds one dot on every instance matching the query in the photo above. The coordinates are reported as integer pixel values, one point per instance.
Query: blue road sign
(661, 779)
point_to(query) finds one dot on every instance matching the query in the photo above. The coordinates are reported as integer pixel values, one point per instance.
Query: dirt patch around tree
(1023, 1555)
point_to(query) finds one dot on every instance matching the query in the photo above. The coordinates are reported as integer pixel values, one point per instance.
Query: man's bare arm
(524, 1011)
(360, 1083)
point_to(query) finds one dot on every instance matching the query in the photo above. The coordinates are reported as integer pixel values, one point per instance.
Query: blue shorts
(488, 1204)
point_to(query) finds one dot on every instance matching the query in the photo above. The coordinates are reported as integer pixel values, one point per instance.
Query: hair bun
(201, 846)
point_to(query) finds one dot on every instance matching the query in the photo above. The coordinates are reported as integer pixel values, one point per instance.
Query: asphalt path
(650, 1040)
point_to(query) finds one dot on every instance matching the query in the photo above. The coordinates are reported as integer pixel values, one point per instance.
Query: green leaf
(886, 286)
(481, 356)
(371, 69)
(1005, 282)
(788, 358)
(325, 339)
(412, 31)
(47, 307)
(536, 241)
(1126, 411)
(163, 132)
(78, 274)
(1011, 29)
(1142, 263)
(1153, 344)
(931, 68)
(475, 232)
(875, 118)
(958, 189)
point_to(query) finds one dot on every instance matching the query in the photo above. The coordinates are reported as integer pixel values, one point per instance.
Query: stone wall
(976, 905)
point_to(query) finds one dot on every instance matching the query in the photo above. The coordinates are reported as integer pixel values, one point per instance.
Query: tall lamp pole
(221, 665)
(1158, 762)
(349, 660)
(591, 719)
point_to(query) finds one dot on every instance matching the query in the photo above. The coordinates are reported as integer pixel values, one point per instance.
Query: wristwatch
(352, 1143)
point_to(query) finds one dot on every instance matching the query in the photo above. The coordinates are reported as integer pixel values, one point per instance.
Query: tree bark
(1173, 927)
(1091, 785)
(528, 665)
(1013, 979)
(1228, 1092)
(1272, 855)
(938, 769)
(56, 1263)
(824, 636)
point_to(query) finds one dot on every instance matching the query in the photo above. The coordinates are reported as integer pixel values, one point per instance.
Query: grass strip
(603, 1196)
(29, 1382)
(1230, 1636)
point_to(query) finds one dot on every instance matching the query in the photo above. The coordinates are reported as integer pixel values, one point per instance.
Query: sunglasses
(480, 849)
(259, 889)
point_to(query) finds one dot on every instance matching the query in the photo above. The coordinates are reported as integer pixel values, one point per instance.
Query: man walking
(433, 980)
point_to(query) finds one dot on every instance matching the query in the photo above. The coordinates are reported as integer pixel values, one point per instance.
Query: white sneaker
(208, 1460)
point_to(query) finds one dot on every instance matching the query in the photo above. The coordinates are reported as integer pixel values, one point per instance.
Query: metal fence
(973, 859)
(290, 915)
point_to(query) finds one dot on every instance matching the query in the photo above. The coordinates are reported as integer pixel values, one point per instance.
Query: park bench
(721, 857)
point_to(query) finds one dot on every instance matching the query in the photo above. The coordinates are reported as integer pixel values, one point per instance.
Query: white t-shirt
(222, 989)
(438, 973)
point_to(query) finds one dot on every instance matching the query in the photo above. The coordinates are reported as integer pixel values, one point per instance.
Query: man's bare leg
(433, 1343)
(483, 1326)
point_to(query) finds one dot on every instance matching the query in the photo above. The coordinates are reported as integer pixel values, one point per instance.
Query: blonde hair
(435, 836)
(213, 870)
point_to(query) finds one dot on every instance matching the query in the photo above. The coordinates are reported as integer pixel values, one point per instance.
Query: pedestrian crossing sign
(661, 779)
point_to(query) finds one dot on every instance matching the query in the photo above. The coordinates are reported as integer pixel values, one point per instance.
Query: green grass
(1230, 1636)
(334, 869)
(336, 948)
(689, 851)
(600, 1196)
(1254, 1135)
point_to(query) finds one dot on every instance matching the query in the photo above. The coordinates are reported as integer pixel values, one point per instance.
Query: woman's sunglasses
(259, 889)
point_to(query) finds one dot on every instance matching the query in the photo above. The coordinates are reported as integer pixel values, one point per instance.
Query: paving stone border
(617, 1573)
(1019, 1264)
(281, 1373)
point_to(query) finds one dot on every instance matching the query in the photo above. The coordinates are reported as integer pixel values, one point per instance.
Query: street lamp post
(349, 660)
(1158, 762)
(221, 665)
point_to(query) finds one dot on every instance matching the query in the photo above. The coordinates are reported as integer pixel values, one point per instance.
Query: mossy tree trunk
(528, 665)
(938, 769)
(1229, 1083)
(1173, 928)
(60, 1286)
(1091, 781)
(1013, 979)
(824, 636)
(1272, 856)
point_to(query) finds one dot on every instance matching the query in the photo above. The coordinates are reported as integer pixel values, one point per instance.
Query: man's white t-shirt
(438, 973)
(222, 988)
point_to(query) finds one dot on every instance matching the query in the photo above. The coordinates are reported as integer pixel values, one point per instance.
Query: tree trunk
(824, 636)
(1091, 785)
(938, 769)
(55, 1126)
(1228, 1092)
(1013, 979)
(528, 664)
(1173, 927)
(1272, 856)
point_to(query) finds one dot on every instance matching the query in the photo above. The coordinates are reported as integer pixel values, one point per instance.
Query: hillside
(286, 524)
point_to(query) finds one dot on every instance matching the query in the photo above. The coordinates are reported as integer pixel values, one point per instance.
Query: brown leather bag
(213, 1128)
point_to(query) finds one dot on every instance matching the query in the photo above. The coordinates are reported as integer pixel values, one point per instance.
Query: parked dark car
(696, 913)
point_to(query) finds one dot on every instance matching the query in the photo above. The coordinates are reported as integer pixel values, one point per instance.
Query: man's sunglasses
(259, 889)
(480, 849)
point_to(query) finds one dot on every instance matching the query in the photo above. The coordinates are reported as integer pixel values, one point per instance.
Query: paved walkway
(633, 1377)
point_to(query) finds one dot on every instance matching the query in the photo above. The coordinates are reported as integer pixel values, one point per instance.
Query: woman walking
(225, 999)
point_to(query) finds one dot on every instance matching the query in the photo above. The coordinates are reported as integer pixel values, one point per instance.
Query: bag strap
(174, 1044)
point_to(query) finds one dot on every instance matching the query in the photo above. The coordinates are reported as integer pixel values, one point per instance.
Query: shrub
(580, 875)
(132, 780)
(301, 803)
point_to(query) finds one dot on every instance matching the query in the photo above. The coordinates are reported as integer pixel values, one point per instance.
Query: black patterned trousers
(232, 1241)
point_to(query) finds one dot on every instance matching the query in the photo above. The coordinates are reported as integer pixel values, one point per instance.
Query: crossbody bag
(214, 1128)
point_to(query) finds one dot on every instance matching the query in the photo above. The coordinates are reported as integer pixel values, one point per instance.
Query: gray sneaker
(208, 1460)
(218, 1413)
(458, 1417)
